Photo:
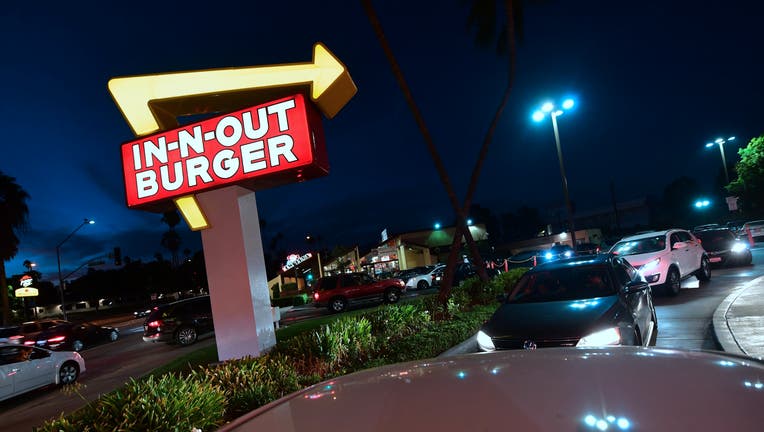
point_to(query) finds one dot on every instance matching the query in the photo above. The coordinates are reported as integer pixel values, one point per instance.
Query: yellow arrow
(143, 99)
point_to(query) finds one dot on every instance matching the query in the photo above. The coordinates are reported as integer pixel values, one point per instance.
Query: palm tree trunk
(4, 295)
(460, 210)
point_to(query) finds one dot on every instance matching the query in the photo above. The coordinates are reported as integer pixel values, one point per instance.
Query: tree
(480, 14)
(14, 217)
(749, 184)
(171, 240)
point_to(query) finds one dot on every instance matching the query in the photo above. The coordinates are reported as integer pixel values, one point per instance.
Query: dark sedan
(595, 300)
(70, 336)
(723, 247)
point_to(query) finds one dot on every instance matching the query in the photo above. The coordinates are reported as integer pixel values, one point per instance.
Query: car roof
(649, 234)
(508, 389)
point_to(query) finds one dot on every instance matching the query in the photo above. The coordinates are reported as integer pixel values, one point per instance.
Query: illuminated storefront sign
(263, 146)
(294, 259)
(26, 289)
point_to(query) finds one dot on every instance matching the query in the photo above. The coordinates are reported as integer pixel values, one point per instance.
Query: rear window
(716, 240)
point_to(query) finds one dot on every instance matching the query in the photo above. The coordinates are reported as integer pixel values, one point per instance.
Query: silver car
(25, 368)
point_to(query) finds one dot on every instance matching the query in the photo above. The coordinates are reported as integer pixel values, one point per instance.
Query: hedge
(218, 393)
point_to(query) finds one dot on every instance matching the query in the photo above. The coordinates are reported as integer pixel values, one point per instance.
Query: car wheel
(68, 373)
(113, 335)
(422, 285)
(77, 345)
(673, 283)
(392, 295)
(186, 335)
(704, 272)
(338, 304)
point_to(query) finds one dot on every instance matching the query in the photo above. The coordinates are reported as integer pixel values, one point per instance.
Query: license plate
(42, 342)
(715, 259)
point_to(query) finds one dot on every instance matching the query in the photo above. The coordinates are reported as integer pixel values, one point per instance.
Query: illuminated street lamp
(554, 112)
(58, 257)
(437, 225)
(721, 142)
(702, 203)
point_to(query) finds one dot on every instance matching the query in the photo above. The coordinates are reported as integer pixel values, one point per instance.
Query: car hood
(550, 320)
(639, 260)
(554, 389)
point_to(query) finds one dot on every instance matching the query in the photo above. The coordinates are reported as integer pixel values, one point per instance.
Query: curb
(723, 332)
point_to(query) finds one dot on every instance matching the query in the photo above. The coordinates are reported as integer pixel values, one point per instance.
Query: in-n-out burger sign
(263, 146)
(294, 259)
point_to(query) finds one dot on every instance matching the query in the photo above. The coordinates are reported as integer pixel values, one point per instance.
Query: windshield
(640, 246)
(562, 284)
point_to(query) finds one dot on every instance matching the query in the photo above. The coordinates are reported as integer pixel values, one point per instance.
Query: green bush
(295, 300)
(204, 396)
(276, 291)
(251, 382)
(168, 403)
(289, 287)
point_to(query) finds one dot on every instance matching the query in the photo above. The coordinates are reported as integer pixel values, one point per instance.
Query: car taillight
(29, 342)
(315, 296)
(157, 323)
(16, 337)
(56, 339)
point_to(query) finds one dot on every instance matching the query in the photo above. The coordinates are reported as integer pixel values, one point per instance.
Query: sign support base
(235, 263)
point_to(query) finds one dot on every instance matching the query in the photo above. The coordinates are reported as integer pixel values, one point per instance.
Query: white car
(424, 280)
(618, 389)
(664, 258)
(753, 229)
(25, 368)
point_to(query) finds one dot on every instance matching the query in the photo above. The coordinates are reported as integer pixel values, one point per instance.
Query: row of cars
(58, 334)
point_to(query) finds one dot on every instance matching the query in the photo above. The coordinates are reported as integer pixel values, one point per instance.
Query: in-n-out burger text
(236, 147)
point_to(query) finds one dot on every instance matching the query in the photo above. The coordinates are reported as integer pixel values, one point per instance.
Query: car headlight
(484, 341)
(568, 254)
(548, 255)
(739, 247)
(610, 336)
(649, 266)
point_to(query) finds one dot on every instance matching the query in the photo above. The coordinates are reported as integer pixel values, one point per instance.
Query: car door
(638, 302)
(202, 310)
(695, 250)
(7, 357)
(678, 255)
(351, 286)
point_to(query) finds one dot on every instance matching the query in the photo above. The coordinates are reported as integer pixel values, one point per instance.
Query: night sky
(653, 83)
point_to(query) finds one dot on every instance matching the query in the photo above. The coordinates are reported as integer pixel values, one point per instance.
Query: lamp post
(554, 112)
(721, 142)
(58, 258)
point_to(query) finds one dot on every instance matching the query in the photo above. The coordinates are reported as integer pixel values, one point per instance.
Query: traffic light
(117, 256)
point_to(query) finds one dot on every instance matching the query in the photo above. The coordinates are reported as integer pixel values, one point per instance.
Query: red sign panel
(263, 146)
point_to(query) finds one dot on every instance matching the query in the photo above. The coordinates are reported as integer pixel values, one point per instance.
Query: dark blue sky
(653, 83)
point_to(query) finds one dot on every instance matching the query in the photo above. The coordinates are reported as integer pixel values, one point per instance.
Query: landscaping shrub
(251, 382)
(168, 403)
(177, 402)
(296, 300)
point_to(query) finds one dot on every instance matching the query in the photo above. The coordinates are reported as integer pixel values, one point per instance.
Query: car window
(622, 273)
(29, 328)
(365, 279)
(14, 354)
(674, 240)
(328, 283)
(563, 284)
(349, 280)
(38, 354)
(684, 236)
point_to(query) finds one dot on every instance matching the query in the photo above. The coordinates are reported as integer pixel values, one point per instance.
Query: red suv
(337, 292)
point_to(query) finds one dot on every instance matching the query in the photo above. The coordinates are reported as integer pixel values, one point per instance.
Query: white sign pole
(233, 254)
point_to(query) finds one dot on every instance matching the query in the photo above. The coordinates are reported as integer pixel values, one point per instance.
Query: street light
(549, 108)
(721, 142)
(58, 257)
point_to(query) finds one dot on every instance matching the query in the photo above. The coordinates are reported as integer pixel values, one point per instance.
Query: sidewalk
(739, 320)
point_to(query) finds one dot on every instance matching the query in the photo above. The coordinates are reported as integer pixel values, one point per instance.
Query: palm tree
(171, 240)
(14, 217)
(483, 15)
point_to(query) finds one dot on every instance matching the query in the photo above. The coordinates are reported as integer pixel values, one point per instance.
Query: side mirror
(635, 286)
(679, 245)
(501, 298)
